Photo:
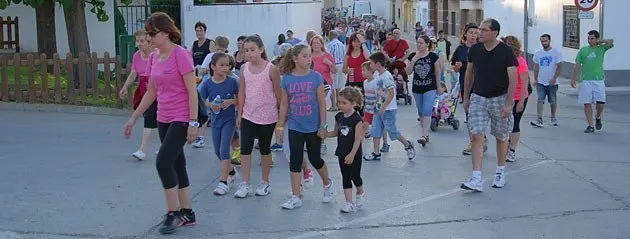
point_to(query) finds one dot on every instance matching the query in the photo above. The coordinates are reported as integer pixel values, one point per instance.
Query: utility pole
(525, 27)
(601, 18)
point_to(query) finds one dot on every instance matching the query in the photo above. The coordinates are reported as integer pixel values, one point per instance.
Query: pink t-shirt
(168, 78)
(522, 67)
(139, 64)
(260, 100)
(322, 68)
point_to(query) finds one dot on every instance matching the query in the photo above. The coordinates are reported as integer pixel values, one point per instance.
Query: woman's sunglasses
(153, 34)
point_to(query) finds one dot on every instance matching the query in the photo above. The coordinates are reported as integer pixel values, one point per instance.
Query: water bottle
(217, 101)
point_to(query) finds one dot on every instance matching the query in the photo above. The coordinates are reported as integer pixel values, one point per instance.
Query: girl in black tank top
(200, 52)
(238, 63)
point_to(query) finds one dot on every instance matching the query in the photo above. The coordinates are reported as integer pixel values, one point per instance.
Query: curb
(72, 109)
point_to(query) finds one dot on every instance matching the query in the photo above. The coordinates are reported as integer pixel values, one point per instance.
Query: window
(571, 28)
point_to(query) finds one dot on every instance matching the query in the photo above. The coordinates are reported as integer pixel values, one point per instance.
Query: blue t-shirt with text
(303, 115)
(227, 90)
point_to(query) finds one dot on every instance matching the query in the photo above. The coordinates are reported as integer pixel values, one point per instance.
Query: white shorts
(591, 91)
(340, 78)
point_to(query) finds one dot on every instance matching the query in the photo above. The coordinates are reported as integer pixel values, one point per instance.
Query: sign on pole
(586, 5)
(586, 15)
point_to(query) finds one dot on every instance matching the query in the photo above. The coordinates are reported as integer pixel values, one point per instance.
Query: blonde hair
(321, 39)
(140, 32)
(287, 64)
(222, 41)
(514, 43)
(352, 94)
(368, 66)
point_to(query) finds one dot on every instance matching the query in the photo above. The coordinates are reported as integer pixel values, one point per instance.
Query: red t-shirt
(355, 63)
(393, 49)
(322, 68)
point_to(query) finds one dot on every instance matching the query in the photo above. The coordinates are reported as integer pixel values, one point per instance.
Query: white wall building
(547, 16)
(100, 34)
(265, 19)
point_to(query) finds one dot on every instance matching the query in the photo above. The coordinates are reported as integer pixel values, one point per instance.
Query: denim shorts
(385, 122)
(424, 103)
(547, 91)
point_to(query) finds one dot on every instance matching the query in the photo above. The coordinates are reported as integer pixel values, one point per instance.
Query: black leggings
(518, 116)
(313, 149)
(171, 162)
(351, 173)
(251, 131)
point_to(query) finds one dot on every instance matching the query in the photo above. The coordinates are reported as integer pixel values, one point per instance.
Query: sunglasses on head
(153, 34)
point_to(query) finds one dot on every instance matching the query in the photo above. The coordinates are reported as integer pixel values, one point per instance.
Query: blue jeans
(222, 138)
(549, 92)
(385, 122)
(424, 102)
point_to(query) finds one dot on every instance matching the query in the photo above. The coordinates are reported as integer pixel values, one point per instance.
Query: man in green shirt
(590, 60)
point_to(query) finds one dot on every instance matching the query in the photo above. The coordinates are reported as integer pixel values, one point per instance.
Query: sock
(500, 169)
(186, 210)
(232, 173)
(223, 182)
(476, 174)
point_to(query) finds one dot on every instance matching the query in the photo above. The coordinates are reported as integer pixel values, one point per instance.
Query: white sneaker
(348, 207)
(199, 143)
(221, 189)
(263, 189)
(328, 192)
(474, 184)
(231, 179)
(139, 155)
(499, 180)
(292, 202)
(511, 156)
(242, 191)
(360, 200)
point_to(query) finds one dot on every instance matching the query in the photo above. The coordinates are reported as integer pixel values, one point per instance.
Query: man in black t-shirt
(491, 77)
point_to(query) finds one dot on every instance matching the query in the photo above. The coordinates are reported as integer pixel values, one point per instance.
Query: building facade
(528, 19)
(447, 15)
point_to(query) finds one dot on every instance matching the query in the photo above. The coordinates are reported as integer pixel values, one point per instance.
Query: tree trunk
(78, 37)
(46, 31)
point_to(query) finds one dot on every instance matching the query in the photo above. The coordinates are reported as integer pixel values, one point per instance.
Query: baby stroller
(435, 117)
(402, 89)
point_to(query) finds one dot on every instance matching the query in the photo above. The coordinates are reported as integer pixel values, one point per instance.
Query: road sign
(586, 15)
(586, 5)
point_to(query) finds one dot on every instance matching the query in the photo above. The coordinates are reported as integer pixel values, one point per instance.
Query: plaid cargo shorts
(483, 110)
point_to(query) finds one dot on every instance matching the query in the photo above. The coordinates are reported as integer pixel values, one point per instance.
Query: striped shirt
(337, 50)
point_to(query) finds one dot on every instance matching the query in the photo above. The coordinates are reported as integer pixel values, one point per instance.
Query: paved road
(71, 176)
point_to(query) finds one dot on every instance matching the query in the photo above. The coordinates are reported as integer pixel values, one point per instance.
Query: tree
(74, 14)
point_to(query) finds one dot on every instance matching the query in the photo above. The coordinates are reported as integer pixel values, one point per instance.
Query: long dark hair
(259, 42)
(281, 39)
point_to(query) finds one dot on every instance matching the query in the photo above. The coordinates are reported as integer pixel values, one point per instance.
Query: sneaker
(468, 149)
(242, 191)
(589, 129)
(360, 200)
(292, 202)
(423, 141)
(554, 121)
(348, 207)
(442, 122)
(236, 157)
(199, 142)
(385, 148)
(170, 223)
(598, 124)
(187, 218)
(511, 156)
(276, 147)
(221, 189)
(324, 149)
(308, 177)
(499, 180)
(538, 123)
(263, 189)
(328, 192)
(231, 179)
(474, 184)
(411, 150)
(372, 157)
(139, 155)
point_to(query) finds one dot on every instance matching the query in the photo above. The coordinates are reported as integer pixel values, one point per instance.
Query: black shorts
(150, 116)
(251, 131)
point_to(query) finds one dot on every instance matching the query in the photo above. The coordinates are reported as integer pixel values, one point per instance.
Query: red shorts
(367, 117)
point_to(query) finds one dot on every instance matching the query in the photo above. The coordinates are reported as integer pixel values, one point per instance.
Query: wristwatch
(193, 123)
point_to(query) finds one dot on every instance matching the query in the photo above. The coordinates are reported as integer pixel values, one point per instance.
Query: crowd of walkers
(247, 98)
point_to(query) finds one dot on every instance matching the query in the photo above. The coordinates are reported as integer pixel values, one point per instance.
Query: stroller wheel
(455, 124)
(434, 124)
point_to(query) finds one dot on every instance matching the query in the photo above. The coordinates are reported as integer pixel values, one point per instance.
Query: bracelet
(324, 127)
(280, 128)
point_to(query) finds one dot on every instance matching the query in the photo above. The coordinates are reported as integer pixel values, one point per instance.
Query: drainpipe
(526, 27)
(601, 18)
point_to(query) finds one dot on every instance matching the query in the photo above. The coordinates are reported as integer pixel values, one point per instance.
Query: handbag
(202, 111)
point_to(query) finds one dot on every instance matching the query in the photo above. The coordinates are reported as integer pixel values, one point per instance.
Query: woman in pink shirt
(324, 63)
(138, 69)
(523, 89)
(172, 83)
(257, 111)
